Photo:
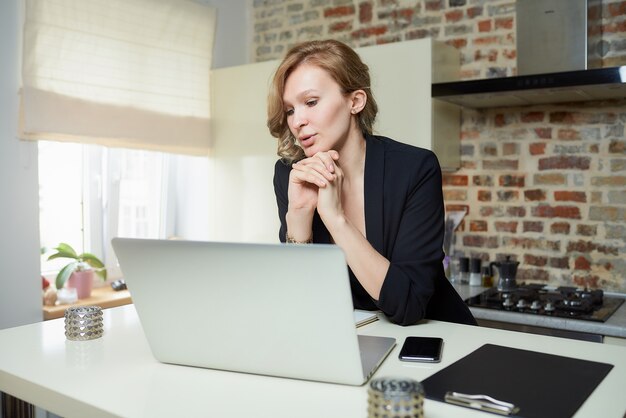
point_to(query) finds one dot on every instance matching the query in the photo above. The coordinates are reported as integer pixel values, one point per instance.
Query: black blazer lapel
(373, 190)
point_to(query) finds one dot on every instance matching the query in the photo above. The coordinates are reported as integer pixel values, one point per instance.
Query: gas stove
(537, 299)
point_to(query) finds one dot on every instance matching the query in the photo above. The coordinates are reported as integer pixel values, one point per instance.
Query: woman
(379, 200)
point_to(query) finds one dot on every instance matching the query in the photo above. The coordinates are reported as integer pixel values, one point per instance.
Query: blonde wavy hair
(342, 63)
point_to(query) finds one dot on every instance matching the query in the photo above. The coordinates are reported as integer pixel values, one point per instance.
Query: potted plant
(79, 272)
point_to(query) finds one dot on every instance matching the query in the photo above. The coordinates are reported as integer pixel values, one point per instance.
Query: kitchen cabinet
(402, 76)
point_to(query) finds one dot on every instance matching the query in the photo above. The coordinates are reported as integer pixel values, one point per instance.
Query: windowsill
(104, 297)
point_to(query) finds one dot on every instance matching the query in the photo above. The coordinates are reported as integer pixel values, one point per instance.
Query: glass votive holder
(394, 397)
(66, 295)
(83, 323)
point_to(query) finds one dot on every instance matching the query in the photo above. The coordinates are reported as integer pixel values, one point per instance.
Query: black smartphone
(421, 349)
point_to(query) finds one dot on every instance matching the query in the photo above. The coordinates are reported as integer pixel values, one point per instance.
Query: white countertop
(615, 326)
(116, 375)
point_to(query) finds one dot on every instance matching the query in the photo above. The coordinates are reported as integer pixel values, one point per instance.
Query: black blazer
(404, 221)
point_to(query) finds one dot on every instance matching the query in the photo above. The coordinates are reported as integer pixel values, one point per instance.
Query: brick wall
(545, 184)
(548, 185)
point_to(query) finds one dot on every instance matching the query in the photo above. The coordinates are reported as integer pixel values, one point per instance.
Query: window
(117, 73)
(90, 194)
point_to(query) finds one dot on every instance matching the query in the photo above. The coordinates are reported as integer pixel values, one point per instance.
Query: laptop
(269, 309)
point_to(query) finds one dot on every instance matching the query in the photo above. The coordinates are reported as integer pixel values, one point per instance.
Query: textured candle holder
(392, 397)
(83, 323)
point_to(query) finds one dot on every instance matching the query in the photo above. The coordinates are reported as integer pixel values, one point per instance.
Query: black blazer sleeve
(415, 253)
(281, 180)
(412, 232)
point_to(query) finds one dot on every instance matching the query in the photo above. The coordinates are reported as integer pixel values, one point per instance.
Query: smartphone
(426, 349)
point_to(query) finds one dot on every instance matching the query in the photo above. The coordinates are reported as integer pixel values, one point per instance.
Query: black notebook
(540, 384)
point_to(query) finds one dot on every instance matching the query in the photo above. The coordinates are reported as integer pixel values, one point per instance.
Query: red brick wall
(545, 184)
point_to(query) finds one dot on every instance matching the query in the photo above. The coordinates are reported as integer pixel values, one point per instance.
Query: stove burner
(565, 302)
(574, 303)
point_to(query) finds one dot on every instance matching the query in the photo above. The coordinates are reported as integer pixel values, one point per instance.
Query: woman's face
(318, 114)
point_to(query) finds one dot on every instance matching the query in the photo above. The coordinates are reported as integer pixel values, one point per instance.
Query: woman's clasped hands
(315, 182)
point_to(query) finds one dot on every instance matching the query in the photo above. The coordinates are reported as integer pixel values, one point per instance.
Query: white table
(116, 375)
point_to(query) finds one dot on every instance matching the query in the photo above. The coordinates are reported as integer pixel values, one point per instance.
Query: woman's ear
(358, 100)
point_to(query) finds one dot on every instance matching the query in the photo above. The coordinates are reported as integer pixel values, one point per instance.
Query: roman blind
(122, 73)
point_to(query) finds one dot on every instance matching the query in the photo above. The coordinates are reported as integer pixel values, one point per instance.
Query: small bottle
(487, 277)
(455, 272)
(474, 276)
(464, 270)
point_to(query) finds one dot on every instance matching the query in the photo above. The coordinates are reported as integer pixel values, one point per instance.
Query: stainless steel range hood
(558, 35)
(569, 86)
(559, 50)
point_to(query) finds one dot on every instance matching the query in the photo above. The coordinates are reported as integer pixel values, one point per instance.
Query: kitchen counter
(116, 375)
(615, 326)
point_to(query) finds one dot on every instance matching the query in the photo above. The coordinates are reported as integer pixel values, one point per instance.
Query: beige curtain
(127, 73)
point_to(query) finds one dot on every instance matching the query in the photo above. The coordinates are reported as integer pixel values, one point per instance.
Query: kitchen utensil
(507, 270)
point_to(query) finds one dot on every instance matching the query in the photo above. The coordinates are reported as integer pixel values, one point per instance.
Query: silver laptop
(270, 309)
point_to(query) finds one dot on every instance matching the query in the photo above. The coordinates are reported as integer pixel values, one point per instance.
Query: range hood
(559, 52)
(568, 86)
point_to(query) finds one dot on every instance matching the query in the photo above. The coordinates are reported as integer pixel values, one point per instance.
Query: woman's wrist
(291, 240)
(299, 226)
(336, 225)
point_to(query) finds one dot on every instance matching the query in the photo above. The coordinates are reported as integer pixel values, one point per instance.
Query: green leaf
(95, 262)
(92, 260)
(65, 274)
(62, 255)
(66, 248)
(64, 251)
(102, 273)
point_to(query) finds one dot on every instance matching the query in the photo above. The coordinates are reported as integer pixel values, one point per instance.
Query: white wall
(20, 281)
